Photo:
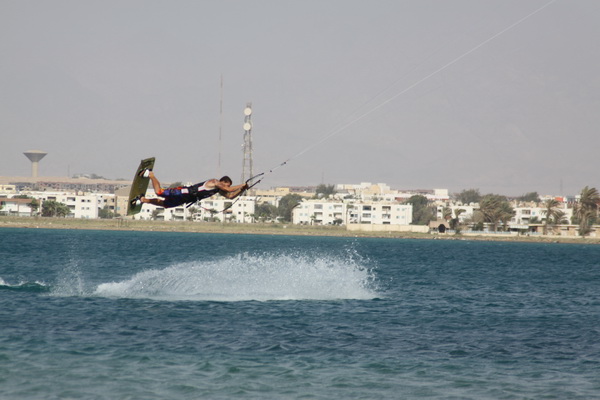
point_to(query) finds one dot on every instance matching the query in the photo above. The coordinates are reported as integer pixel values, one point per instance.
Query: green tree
(478, 226)
(191, 211)
(560, 218)
(586, 210)
(52, 208)
(287, 205)
(495, 208)
(530, 197)
(212, 217)
(324, 191)
(550, 211)
(447, 213)
(105, 213)
(506, 214)
(469, 196)
(63, 210)
(265, 212)
(34, 206)
(422, 212)
(455, 222)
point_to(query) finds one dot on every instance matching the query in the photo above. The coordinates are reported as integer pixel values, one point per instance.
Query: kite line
(344, 126)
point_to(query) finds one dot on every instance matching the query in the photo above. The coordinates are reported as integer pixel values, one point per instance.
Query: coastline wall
(387, 228)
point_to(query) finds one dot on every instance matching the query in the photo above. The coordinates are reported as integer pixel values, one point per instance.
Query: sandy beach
(257, 229)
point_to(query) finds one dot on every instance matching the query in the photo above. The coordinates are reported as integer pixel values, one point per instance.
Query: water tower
(35, 156)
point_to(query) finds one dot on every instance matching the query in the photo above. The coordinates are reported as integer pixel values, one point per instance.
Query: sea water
(149, 315)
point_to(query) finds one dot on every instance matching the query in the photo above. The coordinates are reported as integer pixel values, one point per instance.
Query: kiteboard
(139, 186)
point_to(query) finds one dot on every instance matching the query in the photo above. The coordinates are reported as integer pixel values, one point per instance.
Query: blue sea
(154, 315)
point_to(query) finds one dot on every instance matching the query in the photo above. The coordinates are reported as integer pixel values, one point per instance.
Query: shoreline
(119, 224)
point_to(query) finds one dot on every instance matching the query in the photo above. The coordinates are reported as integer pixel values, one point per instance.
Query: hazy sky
(409, 93)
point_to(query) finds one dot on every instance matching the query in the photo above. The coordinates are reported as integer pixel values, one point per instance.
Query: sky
(497, 95)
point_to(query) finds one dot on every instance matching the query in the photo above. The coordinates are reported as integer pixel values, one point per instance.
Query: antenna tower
(220, 126)
(247, 146)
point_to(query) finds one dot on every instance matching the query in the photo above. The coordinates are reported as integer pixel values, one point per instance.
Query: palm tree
(506, 213)
(447, 213)
(550, 212)
(559, 218)
(454, 222)
(155, 214)
(495, 208)
(587, 209)
(212, 212)
(489, 207)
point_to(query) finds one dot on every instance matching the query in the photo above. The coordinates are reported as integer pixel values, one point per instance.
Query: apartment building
(385, 213)
(323, 212)
(525, 215)
(215, 208)
(320, 212)
(85, 205)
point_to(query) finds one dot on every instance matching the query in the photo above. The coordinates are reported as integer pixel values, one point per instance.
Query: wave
(32, 287)
(251, 277)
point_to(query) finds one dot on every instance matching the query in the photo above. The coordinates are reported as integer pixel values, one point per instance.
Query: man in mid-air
(173, 197)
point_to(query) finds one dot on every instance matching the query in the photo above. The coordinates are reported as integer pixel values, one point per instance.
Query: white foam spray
(251, 277)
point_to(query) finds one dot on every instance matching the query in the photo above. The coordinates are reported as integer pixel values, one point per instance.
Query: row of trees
(263, 212)
(468, 196)
(53, 208)
(586, 210)
(268, 212)
(496, 210)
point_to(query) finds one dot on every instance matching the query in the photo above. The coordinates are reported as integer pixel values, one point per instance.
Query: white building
(83, 205)
(240, 209)
(15, 207)
(320, 212)
(366, 190)
(385, 213)
(323, 212)
(524, 215)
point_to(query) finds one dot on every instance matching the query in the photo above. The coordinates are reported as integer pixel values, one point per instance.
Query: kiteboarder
(173, 197)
